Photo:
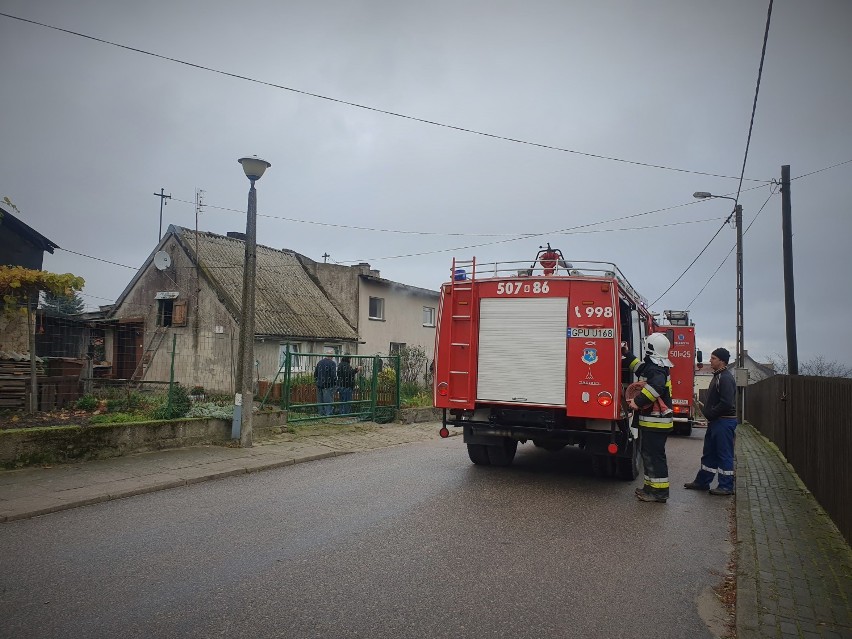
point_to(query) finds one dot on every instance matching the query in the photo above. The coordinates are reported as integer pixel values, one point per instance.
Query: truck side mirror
(700, 357)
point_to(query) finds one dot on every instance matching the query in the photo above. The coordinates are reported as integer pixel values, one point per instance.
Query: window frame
(432, 315)
(296, 360)
(381, 311)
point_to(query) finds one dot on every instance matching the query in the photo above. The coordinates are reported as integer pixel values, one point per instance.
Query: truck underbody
(492, 434)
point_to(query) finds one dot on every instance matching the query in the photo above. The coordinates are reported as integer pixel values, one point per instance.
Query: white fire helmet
(657, 348)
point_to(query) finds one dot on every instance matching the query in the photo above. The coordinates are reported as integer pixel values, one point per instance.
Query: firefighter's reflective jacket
(658, 385)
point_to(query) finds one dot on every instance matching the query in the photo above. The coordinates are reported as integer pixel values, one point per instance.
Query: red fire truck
(533, 353)
(681, 335)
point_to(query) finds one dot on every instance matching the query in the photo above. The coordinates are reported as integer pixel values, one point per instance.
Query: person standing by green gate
(325, 376)
(346, 383)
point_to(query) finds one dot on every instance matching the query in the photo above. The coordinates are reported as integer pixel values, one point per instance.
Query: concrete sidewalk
(794, 571)
(29, 492)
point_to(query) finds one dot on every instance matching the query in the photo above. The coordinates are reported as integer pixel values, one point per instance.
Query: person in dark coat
(721, 413)
(346, 375)
(325, 376)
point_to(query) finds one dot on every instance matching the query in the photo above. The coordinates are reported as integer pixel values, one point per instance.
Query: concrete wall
(26, 446)
(340, 284)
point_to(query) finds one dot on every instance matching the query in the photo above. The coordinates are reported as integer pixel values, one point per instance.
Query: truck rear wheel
(684, 429)
(503, 453)
(478, 454)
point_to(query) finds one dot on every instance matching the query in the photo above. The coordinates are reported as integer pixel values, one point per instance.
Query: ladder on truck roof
(462, 307)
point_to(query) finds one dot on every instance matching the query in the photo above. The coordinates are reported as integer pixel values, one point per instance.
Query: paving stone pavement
(794, 571)
(29, 492)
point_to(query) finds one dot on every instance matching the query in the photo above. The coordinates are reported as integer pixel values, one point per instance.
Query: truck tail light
(612, 449)
(443, 389)
(444, 432)
(604, 398)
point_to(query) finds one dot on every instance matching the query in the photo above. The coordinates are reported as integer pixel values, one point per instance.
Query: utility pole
(163, 199)
(325, 257)
(738, 216)
(789, 297)
(241, 427)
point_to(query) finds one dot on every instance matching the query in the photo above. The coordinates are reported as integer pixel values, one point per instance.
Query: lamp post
(738, 218)
(244, 395)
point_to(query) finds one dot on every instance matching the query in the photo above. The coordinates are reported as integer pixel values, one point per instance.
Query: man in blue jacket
(721, 413)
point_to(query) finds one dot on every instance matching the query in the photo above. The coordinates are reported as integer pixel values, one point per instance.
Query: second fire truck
(533, 353)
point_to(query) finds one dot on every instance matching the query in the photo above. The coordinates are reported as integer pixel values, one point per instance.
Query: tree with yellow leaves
(19, 291)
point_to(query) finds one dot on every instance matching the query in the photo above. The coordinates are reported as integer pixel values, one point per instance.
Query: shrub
(87, 402)
(412, 363)
(177, 404)
(420, 400)
(211, 410)
(387, 377)
(116, 405)
(408, 389)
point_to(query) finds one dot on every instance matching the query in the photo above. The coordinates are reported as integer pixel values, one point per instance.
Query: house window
(377, 308)
(295, 357)
(395, 348)
(428, 316)
(171, 313)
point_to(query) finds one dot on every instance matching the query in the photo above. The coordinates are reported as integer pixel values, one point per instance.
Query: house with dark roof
(20, 244)
(180, 313)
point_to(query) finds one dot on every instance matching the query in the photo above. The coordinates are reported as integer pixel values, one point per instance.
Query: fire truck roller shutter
(522, 350)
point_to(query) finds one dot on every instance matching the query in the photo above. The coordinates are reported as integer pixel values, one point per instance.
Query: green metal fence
(370, 392)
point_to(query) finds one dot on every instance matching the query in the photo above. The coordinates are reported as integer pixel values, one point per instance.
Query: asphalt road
(410, 541)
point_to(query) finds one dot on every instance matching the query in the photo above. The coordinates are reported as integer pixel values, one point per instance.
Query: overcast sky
(90, 131)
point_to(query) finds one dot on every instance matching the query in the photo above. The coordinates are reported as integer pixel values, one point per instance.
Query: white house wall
(403, 318)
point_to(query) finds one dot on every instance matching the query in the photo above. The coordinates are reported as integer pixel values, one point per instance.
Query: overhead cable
(374, 109)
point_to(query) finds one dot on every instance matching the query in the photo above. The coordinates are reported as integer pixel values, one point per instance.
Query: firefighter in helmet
(653, 414)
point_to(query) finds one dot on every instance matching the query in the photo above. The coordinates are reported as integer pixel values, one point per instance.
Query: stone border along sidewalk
(29, 492)
(794, 575)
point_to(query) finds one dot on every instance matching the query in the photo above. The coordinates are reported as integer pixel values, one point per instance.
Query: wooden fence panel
(810, 420)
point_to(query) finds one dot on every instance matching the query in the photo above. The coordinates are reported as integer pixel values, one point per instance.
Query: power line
(99, 259)
(692, 262)
(689, 306)
(351, 227)
(756, 93)
(525, 237)
(821, 170)
(375, 109)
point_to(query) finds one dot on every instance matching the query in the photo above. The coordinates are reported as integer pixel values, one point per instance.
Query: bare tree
(817, 366)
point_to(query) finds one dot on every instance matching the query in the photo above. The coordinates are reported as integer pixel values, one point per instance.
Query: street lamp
(738, 218)
(244, 395)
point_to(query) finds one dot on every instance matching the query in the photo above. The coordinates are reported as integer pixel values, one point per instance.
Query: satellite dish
(162, 260)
